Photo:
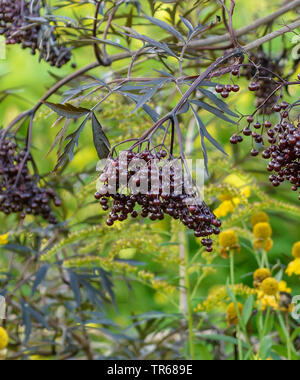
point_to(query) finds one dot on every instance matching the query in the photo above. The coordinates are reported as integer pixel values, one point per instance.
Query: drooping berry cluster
(284, 153)
(18, 191)
(18, 26)
(155, 202)
(264, 74)
(281, 143)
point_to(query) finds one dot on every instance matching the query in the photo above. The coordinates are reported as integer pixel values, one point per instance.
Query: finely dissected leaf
(204, 150)
(112, 43)
(136, 98)
(40, 277)
(188, 25)
(26, 320)
(165, 26)
(59, 136)
(159, 45)
(213, 110)
(152, 113)
(67, 110)
(101, 142)
(219, 103)
(107, 285)
(18, 248)
(94, 295)
(69, 94)
(205, 134)
(69, 149)
(74, 283)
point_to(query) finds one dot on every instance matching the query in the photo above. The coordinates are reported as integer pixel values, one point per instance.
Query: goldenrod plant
(112, 245)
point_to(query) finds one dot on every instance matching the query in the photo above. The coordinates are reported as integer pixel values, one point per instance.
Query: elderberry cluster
(155, 202)
(18, 191)
(18, 27)
(285, 154)
(281, 142)
(266, 70)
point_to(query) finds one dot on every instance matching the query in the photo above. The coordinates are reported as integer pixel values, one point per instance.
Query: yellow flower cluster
(294, 266)
(4, 239)
(218, 297)
(229, 202)
(271, 292)
(3, 338)
(224, 209)
(296, 250)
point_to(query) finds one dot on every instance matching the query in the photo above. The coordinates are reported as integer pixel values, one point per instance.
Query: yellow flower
(228, 239)
(231, 313)
(224, 209)
(4, 239)
(294, 268)
(270, 286)
(275, 295)
(3, 338)
(266, 301)
(259, 217)
(283, 288)
(262, 231)
(296, 250)
(260, 275)
(266, 244)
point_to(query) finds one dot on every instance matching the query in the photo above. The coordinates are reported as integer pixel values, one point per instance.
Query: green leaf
(266, 347)
(220, 338)
(248, 309)
(101, 142)
(67, 110)
(230, 293)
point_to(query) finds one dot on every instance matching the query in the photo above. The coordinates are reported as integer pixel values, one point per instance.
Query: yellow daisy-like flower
(3, 338)
(262, 231)
(259, 217)
(260, 275)
(231, 313)
(296, 250)
(266, 244)
(294, 268)
(4, 239)
(270, 286)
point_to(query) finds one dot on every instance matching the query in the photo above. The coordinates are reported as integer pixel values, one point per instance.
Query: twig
(247, 29)
(106, 61)
(273, 35)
